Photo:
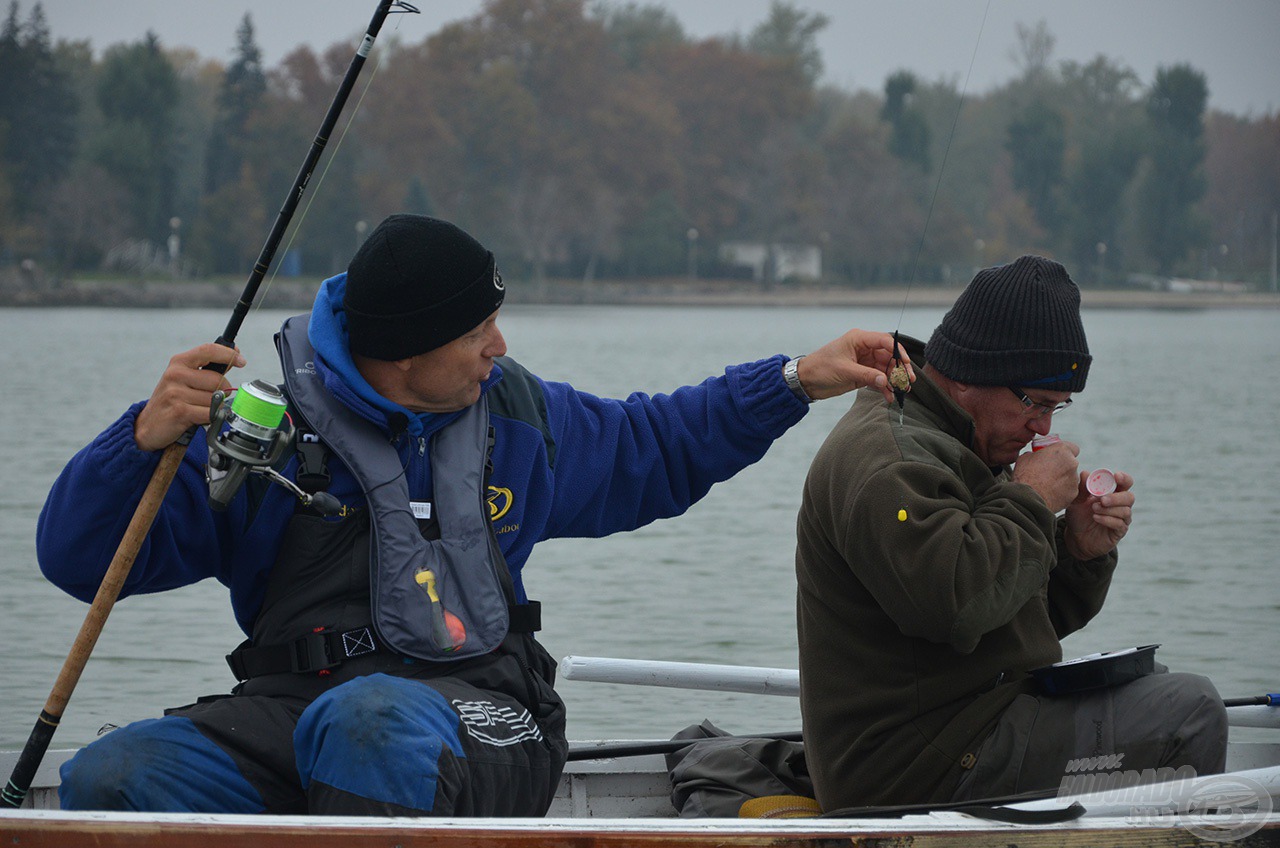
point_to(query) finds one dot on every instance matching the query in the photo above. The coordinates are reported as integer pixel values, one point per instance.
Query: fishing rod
(666, 746)
(144, 516)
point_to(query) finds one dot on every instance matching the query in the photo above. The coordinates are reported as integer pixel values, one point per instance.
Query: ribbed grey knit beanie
(1015, 325)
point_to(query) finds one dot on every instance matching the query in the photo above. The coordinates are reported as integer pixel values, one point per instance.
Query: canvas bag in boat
(465, 560)
(719, 775)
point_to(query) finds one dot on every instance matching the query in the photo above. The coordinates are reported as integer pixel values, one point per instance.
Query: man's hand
(1053, 472)
(181, 398)
(856, 359)
(1095, 525)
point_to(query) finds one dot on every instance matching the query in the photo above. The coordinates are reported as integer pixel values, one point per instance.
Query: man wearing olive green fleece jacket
(935, 572)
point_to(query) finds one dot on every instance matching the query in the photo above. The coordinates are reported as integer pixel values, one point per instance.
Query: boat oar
(140, 525)
(1253, 711)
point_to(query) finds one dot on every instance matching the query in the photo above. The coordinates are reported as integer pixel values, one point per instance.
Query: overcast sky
(1235, 43)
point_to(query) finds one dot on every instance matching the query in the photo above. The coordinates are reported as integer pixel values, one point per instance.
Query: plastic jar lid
(1101, 482)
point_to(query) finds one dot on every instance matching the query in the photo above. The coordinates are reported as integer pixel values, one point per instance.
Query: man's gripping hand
(181, 399)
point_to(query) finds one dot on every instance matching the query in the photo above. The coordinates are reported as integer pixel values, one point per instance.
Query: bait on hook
(899, 379)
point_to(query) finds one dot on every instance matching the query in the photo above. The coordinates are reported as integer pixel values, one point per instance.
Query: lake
(1171, 399)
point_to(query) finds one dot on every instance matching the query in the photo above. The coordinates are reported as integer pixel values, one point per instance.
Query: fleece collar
(327, 332)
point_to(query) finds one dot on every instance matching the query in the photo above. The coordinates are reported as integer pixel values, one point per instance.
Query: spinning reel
(248, 433)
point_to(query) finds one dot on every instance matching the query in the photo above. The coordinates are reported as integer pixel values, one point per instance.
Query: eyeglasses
(1037, 410)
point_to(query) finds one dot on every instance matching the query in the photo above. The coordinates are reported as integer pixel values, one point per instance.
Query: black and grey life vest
(421, 591)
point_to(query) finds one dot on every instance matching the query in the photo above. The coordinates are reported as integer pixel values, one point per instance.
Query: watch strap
(791, 374)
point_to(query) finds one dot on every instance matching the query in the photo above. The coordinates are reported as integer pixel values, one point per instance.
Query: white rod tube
(752, 680)
(1254, 716)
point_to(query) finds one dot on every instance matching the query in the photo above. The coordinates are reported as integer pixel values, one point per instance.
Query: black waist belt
(324, 649)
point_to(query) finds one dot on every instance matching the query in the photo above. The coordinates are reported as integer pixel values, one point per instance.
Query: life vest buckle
(313, 652)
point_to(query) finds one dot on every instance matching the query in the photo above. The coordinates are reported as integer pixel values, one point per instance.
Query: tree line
(602, 141)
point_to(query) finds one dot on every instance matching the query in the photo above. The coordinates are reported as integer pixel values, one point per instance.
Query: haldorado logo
(500, 500)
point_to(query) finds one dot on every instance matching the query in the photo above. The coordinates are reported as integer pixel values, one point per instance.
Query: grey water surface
(1186, 401)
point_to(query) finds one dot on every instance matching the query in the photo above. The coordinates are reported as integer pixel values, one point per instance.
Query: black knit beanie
(1015, 325)
(415, 284)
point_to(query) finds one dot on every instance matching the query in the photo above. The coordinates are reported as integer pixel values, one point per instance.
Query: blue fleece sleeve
(94, 499)
(623, 464)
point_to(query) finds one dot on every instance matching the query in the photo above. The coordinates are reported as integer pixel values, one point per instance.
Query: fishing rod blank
(304, 173)
(135, 534)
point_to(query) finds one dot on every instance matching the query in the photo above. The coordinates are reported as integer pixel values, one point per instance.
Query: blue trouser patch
(378, 737)
(162, 765)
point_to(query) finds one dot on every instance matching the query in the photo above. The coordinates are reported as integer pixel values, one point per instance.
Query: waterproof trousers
(1046, 742)
(374, 745)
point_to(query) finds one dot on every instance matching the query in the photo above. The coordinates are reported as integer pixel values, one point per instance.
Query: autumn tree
(228, 233)
(137, 94)
(38, 114)
(790, 35)
(1171, 225)
(1243, 193)
(870, 198)
(278, 135)
(910, 139)
(243, 87)
(639, 34)
(1109, 150)
(1037, 143)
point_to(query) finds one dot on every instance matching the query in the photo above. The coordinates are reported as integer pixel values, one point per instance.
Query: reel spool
(256, 435)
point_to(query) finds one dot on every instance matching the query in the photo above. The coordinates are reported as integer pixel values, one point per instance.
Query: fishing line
(942, 168)
(398, 8)
(899, 380)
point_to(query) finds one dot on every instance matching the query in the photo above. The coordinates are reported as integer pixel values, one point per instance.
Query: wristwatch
(791, 373)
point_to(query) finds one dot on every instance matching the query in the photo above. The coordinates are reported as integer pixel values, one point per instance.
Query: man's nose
(1041, 424)
(498, 344)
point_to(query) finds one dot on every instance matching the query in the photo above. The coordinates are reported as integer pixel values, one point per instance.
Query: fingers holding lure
(899, 378)
(856, 359)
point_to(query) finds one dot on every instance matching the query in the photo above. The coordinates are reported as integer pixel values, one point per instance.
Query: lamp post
(361, 228)
(692, 236)
(175, 245)
(1275, 228)
(1102, 260)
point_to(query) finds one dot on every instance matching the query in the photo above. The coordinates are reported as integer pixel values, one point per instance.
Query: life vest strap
(325, 649)
(316, 651)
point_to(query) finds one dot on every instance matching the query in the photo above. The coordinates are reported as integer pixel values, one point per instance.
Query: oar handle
(95, 619)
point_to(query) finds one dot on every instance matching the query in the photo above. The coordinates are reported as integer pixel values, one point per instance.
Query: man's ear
(403, 364)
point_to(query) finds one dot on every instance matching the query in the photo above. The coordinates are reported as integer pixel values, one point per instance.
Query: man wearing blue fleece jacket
(391, 667)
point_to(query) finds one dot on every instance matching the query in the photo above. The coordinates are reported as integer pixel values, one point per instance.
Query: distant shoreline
(296, 294)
